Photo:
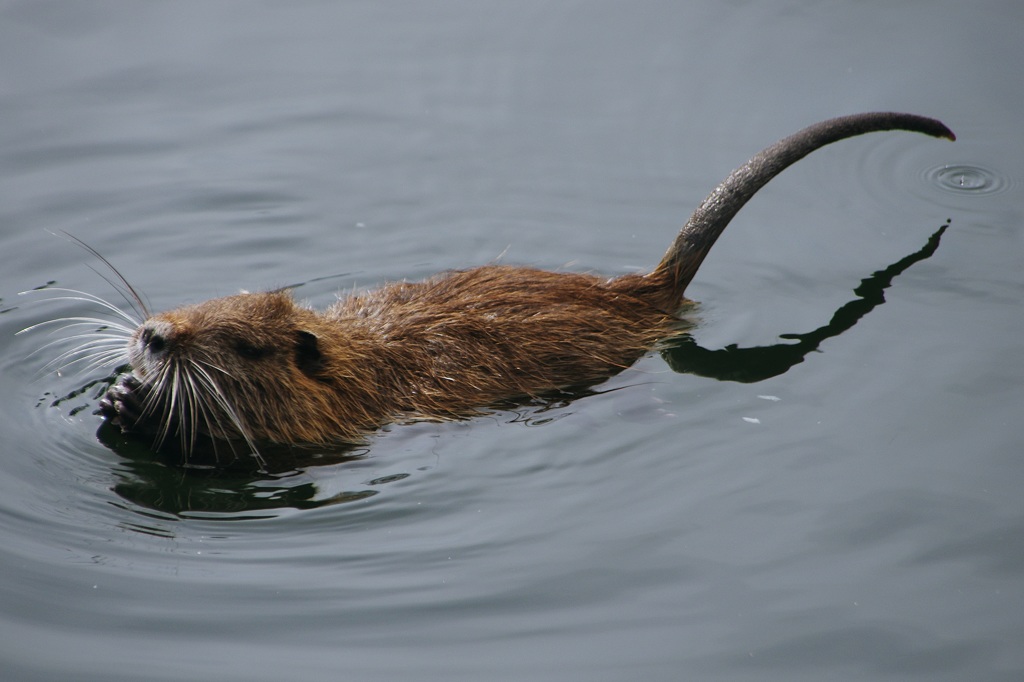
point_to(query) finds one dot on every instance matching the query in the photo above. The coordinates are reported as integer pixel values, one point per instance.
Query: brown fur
(265, 368)
(440, 348)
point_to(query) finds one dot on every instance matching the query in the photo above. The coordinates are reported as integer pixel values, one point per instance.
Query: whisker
(208, 397)
(96, 354)
(110, 356)
(180, 388)
(144, 312)
(225, 405)
(97, 360)
(150, 403)
(195, 413)
(85, 297)
(132, 299)
(96, 341)
(220, 369)
(173, 406)
(87, 352)
(79, 322)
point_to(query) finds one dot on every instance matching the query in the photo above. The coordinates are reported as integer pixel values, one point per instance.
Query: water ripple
(890, 169)
(967, 179)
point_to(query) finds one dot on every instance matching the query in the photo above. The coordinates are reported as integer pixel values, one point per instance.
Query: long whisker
(191, 410)
(181, 389)
(204, 411)
(198, 410)
(214, 391)
(133, 299)
(218, 368)
(88, 352)
(142, 309)
(95, 340)
(103, 325)
(152, 401)
(217, 397)
(109, 358)
(85, 297)
(225, 405)
(173, 406)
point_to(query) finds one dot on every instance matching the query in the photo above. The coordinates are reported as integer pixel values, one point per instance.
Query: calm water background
(859, 516)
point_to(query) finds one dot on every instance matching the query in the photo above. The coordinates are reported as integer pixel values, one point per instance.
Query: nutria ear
(307, 353)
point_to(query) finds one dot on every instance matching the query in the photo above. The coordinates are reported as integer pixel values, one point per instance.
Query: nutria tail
(680, 263)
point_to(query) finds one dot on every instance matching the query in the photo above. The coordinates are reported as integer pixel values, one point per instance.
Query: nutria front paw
(121, 405)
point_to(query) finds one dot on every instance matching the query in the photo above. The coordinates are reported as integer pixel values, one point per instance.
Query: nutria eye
(250, 351)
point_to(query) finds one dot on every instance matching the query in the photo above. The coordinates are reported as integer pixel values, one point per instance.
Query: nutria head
(241, 336)
(239, 367)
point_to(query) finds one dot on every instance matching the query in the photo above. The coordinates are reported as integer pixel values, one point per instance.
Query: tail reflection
(750, 365)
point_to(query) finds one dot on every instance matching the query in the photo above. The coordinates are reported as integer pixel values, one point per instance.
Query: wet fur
(441, 348)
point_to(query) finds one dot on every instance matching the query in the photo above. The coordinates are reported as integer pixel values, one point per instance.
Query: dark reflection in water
(239, 487)
(750, 365)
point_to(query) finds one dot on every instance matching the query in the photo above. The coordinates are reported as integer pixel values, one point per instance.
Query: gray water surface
(850, 509)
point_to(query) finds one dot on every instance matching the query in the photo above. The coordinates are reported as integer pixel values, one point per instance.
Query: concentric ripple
(966, 179)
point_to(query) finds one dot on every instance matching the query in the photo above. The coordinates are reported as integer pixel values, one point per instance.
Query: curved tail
(687, 252)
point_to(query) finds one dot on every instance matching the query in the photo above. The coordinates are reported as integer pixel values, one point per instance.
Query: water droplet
(963, 178)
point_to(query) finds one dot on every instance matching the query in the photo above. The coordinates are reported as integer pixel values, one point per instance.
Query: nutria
(261, 367)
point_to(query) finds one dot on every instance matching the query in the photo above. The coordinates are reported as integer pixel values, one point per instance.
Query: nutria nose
(153, 340)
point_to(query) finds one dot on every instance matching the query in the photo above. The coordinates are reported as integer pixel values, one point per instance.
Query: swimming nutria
(262, 368)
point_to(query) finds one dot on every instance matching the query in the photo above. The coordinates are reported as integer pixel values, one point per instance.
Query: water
(853, 514)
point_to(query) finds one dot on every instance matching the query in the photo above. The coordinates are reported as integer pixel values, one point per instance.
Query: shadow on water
(750, 365)
(230, 485)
